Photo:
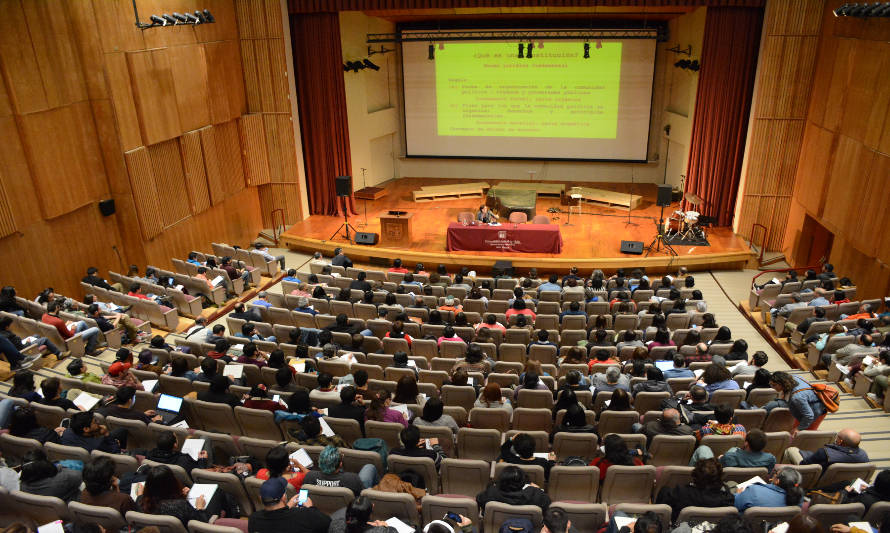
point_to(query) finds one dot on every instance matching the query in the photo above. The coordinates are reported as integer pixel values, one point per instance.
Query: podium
(395, 230)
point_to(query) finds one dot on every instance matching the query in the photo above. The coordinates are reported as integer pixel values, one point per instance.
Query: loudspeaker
(106, 207)
(344, 185)
(362, 237)
(632, 247)
(664, 196)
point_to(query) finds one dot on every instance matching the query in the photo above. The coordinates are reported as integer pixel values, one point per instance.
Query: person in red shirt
(519, 309)
(840, 297)
(397, 267)
(491, 322)
(616, 454)
(136, 292)
(89, 334)
(258, 400)
(397, 333)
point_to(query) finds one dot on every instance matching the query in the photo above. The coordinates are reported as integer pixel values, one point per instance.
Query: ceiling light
(169, 19)
(528, 52)
(586, 50)
(521, 46)
(208, 16)
(369, 64)
(432, 52)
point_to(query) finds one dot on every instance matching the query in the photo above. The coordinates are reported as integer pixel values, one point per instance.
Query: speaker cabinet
(632, 247)
(344, 185)
(664, 196)
(106, 207)
(362, 237)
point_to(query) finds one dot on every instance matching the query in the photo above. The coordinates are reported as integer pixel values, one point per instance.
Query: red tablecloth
(527, 238)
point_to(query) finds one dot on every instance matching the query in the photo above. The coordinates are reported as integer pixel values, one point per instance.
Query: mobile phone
(65, 423)
(454, 517)
(302, 497)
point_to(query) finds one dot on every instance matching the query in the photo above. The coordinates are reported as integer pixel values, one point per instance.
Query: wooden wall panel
(251, 76)
(212, 165)
(20, 67)
(154, 95)
(16, 175)
(57, 56)
(189, 69)
(7, 221)
(5, 104)
(253, 143)
(812, 171)
(145, 194)
(838, 87)
(272, 9)
(866, 98)
(280, 141)
(265, 81)
(228, 146)
(121, 35)
(787, 73)
(64, 158)
(166, 163)
(278, 74)
(226, 81)
(195, 173)
(126, 116)
(793, 17)
(284, 196)
(89, 46)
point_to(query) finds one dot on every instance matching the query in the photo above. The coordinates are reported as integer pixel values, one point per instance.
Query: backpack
(828, 395)
(372, 445)
(517, 525)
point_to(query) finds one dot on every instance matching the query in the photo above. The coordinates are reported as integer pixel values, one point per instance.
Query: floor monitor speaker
(632, 247)
(362, 237)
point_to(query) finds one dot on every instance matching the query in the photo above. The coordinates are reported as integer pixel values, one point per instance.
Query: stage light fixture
(158, 20)
(180, 17)
(369, 64)
(586, 50)
(528, 49)
(521, 46)
(695, 65)
(192, 19)
(432, 52)
(200, 17)
(170, 20)
(208, 16)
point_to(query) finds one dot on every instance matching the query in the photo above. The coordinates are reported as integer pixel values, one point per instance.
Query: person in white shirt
(261, 248)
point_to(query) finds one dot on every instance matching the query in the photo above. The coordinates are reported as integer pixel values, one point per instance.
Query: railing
(276, 233)
(762, 272)
(762, 243)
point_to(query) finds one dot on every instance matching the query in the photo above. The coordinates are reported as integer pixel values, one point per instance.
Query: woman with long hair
(616, 453)
(357, 519)
(407, 392)
(23, 424)
(41, 477)
(717, 377)
(529, 381)
(621, 401)
(513, 487)
(163, 494)
(706, 490)
(434, 415)
(492, 398)
(380, 410)
(795, 393)
(574, 421)
(23, 386)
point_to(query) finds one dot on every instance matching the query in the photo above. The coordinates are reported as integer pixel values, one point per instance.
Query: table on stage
(526, 238)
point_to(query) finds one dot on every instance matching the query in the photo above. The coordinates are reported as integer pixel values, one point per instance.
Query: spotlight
(369, 64)
(599, 44)
(694, 66)
(586, 50)
(192, 19)
(158, 20)
(208, 16)
(521, 46)
(432, 52)
(200, 17)
(180, 17)
(528, 52)
(170, 20)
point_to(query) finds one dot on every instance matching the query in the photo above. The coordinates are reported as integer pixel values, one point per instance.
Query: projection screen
(480, 99)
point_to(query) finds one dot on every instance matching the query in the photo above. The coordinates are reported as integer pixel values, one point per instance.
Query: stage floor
(591, 241)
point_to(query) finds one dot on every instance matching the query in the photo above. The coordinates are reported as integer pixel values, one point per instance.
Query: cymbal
(693, 198)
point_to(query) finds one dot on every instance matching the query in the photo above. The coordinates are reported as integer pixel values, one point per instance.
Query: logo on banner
(502, 235)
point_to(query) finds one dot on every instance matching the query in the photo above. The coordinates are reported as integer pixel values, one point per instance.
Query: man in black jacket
(520, 450)
(122, 407)
(16, 341)
(340, 259)
(92, 279)
(350, 407)
(167, 452)
(279, 515)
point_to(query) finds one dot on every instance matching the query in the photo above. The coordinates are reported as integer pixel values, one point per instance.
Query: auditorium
(444, 266)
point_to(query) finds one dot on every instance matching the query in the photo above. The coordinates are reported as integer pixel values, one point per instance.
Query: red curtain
(722, 105)
(321, 96)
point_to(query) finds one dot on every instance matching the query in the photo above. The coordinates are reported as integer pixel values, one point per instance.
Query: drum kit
(685, 224)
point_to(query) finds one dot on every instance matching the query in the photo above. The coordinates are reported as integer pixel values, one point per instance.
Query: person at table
(484, 215)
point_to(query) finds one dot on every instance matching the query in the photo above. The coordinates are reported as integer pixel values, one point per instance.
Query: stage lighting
(432, 52)
(695, 65)
(200, 17)
(369, 64)
(586, 50)
(528, 52)
(521, 46)
(158, 20)
(180, 17)
(208, 16)
(169, 19)
(192, 19)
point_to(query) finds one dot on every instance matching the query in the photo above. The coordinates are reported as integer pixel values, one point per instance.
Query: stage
(592, 240)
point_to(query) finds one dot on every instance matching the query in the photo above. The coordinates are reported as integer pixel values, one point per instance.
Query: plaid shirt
(714, 428)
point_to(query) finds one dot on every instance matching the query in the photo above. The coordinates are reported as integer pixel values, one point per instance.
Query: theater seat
(518, 217)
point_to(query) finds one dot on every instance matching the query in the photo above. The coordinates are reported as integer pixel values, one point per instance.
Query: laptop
(169, 407)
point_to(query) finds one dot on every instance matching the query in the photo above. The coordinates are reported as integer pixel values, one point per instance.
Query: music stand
(659, 241)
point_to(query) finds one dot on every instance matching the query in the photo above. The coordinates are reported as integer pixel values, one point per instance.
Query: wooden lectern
(395, 230)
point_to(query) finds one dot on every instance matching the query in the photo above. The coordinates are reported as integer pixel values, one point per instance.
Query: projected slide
(481, 90)
(479, 99)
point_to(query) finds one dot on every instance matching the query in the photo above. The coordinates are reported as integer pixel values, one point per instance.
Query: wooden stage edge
(654, 263)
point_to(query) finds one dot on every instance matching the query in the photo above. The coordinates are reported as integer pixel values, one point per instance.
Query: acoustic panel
(169, 177)
(190, 83)
(16, 176)
(89, 47)
(251, 81)
(227, 101)
(145, 194)
(20, 66)
(251, 19)
(195, 173)
(253, 143)
(228, 146)
(786, 74)
(64, 157)
(273, 18)
(263, 59)
(278, 75)
(867, 100)
(7, 221)
(118, 37)
(125, 113)
(282, 149)
(212, 165)
(155, 96)
(812, 169)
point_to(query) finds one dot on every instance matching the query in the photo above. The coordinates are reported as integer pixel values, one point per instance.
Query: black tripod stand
(658, 241)
(345, 227)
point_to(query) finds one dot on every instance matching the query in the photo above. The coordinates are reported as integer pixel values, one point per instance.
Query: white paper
(541, 455)
(233, 371)
(868, 360)
(217, 280)
(192, 447)
(347, 358)
(844, 370)
(607, 402)
(859, 485)
(28, 340)
(412, 363)
(302, 457)
(85, 402)
(864, 526)
(181, 424)
(202, 489)
(752, 481)
(324, 411)
(399, 526)
(402, 409)
(779, 528)
(746, 384)
(622, 521)
(775, 281)
(471, 381)
(325, 428)
(53, 527)
(698, 372)
(299, 365)
(178, 287)
(134, 488)
(150, 384)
